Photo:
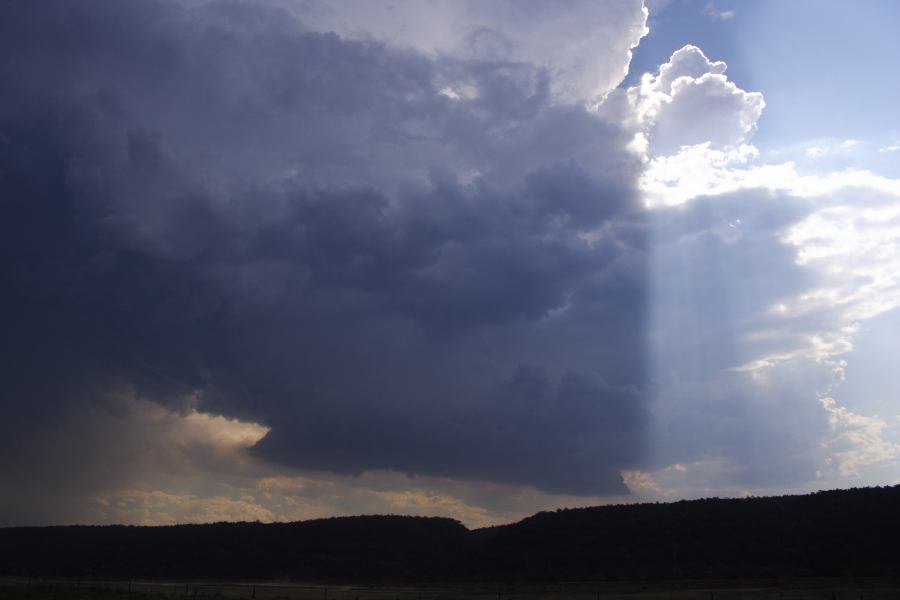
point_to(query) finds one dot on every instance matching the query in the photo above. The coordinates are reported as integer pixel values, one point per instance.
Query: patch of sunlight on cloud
(857, 248)
(474, 503)
(698, 479)
(157, 507)
(224, 432)
(188, 431)
(709, 477)
(650, 484)
(700, 170)
(421, 502)
(858, 441)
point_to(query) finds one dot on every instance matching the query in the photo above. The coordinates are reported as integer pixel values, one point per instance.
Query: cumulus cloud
(690, 101)
(220, 209)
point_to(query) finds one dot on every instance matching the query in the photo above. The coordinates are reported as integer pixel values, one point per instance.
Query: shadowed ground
(808, 589)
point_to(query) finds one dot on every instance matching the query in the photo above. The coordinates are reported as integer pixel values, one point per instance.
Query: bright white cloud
(858, 442)
(586, 45)
(826, 148)
(690, 101)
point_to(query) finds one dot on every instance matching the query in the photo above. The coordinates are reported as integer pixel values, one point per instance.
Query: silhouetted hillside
(840, 533)
(837, 533)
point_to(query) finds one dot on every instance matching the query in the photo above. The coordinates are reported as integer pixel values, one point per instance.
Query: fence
(682, 590)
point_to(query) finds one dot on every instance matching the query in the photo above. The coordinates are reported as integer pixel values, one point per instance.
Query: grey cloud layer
(427, 263)
(217, 207)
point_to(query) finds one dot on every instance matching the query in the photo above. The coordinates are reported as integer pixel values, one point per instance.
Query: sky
(287, 259)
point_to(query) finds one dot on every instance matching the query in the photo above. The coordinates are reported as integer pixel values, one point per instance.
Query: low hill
(834, 533)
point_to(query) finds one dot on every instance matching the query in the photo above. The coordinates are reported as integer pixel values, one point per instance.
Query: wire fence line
(813, 590)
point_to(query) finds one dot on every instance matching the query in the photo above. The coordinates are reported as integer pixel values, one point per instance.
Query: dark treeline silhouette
(836, 533)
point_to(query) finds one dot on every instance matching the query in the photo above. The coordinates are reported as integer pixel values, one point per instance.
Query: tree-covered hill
(835, 533)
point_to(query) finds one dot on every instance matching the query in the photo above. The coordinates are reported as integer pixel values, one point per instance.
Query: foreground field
(812, 589)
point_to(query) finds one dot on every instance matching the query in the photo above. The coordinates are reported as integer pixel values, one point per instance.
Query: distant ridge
(835, 533)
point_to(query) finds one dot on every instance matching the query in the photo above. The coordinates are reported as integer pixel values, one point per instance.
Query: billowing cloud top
(584, 46)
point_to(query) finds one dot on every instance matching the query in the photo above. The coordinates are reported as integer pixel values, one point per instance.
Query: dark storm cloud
(530, 425)
(306, 231)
